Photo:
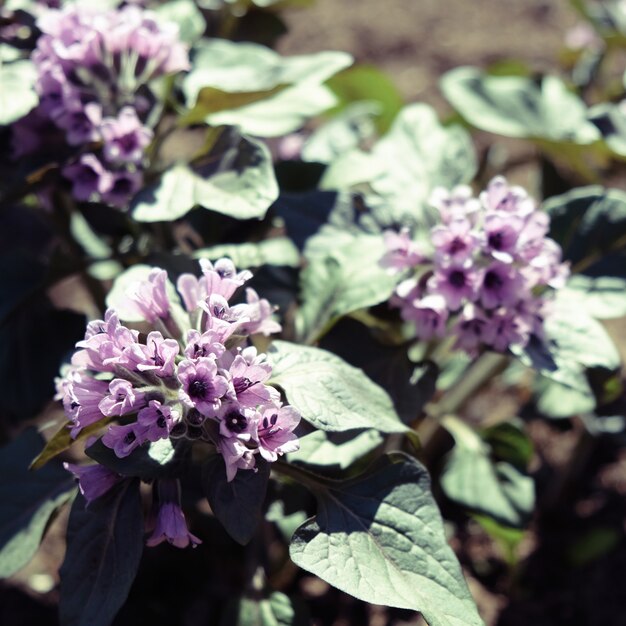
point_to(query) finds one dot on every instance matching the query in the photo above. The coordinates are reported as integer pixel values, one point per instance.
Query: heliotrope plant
(193, 378)
(488, 274)
(93, 68)
(181, 394)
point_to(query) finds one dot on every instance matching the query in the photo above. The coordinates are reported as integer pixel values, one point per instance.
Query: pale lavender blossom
(157, 420)
(502, 232)
(500, 196)
(81, 396)
(237, 456)
(88, 177)
(248, 372)
(402, 252)
(124, 439)
(124, 185)
(429, 314)
(456, 204)
(455, 283)
(202, 386)
(93, 480)
(122, 398)
(157, 355)
(125, 137)
(256, 315)
(149, 297)
(274, 431)
(501, 285)
(222, 277)
(454, 242)
(171, 525)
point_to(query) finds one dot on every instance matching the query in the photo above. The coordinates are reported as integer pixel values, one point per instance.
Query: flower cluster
(486, 275)
(191, 377)
(93, 68)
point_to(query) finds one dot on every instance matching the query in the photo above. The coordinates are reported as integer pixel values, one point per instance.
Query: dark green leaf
(329, 393)
(588, 223)
(343, 275)
(104, 546)
(276, 251)
(573, 344)
(380, 538)
(185, 14)
(269, 609)
(518, 106)
(236, 504)
(369, 83)
(417, 155)
(409, 386)
(335, 450)
(237, 180)
(159, 459)
(246, 68)
(28, 500)
(17, 90)
(484, 485)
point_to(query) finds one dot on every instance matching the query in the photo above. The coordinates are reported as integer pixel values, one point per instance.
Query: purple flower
(507, 329)
(454, 242)
(472, 329)
(501, 285)
(88, 177)
(236, 456)
(149, 297)
(81, 395)
(202, 386)
(209, 343)
(104, 343)
(124, 439)
(158, 420)
(256, 315)
(500, 196)
(456, 204)
(248, 372)
(501, 234)
(222, 278)
(124, 186)
(125, 137)
(429, 314)
(455, 283)
(402, 252)
(93, 480)
(157, 355)
(123, 398)
(170, 522)
(275, 434)
(81, 123)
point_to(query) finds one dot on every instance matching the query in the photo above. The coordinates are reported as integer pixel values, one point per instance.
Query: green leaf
(495, 488)
(343, 275)
(417, 155)
(602, 297)
(276, 251)
(62, 440)
(247, 68)
(369, 83)
(590, 223)
(104, 546)
(28, 500)
(237, 180)
(508, 538)
(185, 14)
(17, 90)
(518, 106)
(329, 393)
(559, 401)
(380, 538)
(158, 459)
(237, 504)
(572, 345)
(335, 450)
(269, 609)
(343, 132)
